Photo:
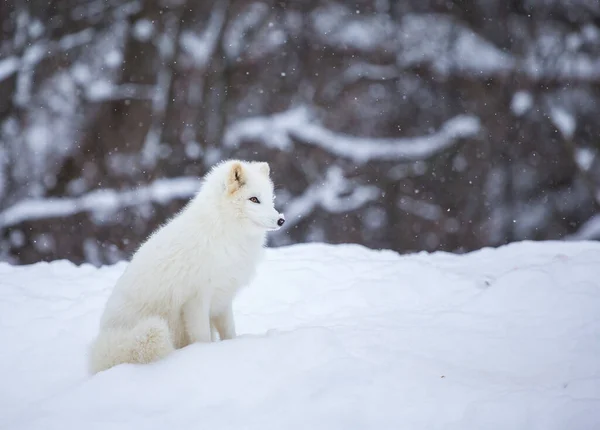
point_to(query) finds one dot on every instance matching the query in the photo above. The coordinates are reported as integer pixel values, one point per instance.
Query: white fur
(180, 284)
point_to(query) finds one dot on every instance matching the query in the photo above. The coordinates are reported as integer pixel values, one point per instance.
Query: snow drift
(331, 337)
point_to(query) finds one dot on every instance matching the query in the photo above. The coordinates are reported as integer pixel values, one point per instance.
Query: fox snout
(277, 222)
(281, 220)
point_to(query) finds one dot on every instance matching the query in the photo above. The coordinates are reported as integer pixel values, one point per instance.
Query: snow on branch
(563, 121)
(103, 90)
(335, 194)
(340, 27)
(235, 38)
(39, 51)
(100, 201)
(376, 72)
(589, 230)
(279, 130)
(201, 48)
(361, 71)
(447, 46)
(8, 66)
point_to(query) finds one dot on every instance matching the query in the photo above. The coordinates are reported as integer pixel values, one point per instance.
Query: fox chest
(232, 271)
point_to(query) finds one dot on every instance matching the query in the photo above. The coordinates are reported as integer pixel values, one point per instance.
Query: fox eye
(254, 200)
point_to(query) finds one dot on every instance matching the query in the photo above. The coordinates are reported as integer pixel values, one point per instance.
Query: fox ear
(236, 178)
(264, 168)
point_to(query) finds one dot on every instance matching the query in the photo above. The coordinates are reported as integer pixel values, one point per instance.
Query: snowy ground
(332, 337)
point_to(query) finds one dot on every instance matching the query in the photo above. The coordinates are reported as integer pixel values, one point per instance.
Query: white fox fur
(180, 284)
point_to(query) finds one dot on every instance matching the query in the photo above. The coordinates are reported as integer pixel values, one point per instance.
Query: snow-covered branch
(8, 66)
(99, 202)
(358, 72)
(335, 194)
(589, 230)
(375, 72)
(566, 124)
(202, 48)
(279, 130)
(37, 52)
(341, 28)
(102, 91)
(448, 47)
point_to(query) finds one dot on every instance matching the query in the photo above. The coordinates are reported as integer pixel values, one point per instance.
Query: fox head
(247, 194)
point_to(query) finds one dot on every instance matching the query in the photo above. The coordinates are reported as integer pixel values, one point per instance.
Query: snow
(420, 208)
(279, 130)
(477, 55)
(555, 55)
(521, 102)
(71, 41)
(31, 57)
(49, 137)
(195, 47)
(340, 27)
(193, 150)
(3, 171)
(143, 30)
(590, 33)
(331, 337)
(8, 66)
(235, 42)
(113, 58)
(99, 91)
(585, 158)
(336, 194)
(103, 90)
(372, 71)
(448, 47)
(201, 48)
(99, 202)
(36, 29)
(590, 230)
(361, 149)
(579, 66)
(564, 121)
(124, 10)
(362, 70)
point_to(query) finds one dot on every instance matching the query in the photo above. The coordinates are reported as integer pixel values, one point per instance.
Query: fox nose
(280, 222)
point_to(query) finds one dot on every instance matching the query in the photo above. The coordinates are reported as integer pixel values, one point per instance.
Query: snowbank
(332, 337)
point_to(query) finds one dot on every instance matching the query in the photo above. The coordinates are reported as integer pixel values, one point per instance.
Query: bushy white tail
(148, 341)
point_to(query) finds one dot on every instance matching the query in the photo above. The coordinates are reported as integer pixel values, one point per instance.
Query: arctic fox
(180, 284)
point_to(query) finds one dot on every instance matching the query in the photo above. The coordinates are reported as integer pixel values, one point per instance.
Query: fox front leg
(196, 315)
(225, 324)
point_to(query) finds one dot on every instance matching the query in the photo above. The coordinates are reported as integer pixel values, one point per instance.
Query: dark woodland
(409, 125)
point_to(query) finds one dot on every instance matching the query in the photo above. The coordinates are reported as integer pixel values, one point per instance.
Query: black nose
(280, 222)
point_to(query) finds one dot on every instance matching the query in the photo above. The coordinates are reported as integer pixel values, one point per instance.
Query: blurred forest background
(411, 125)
